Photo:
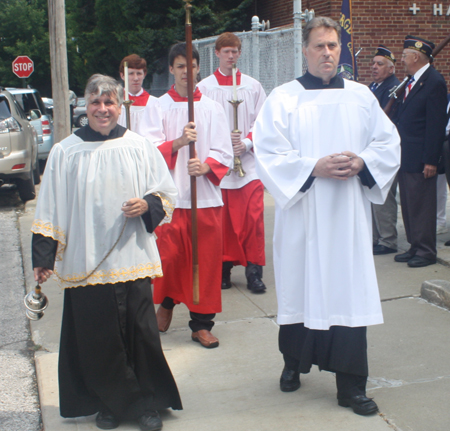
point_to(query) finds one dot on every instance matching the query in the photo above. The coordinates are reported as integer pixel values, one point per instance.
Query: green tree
(101, 32)
(105, 31)
(24, 31)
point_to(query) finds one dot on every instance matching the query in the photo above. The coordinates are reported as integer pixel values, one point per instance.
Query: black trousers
(446, 157)
(198, 320)
(341, 350)
(419, 211)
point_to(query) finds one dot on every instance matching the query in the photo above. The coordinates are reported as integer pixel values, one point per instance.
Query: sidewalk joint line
(400, 297)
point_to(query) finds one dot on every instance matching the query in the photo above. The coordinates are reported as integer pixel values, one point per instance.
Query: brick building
(374, 22)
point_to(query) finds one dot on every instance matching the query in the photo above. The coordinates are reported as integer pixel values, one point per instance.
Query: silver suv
(30, 101)
(18, 148)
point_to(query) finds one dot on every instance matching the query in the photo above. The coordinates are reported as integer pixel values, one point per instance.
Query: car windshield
(5, 111)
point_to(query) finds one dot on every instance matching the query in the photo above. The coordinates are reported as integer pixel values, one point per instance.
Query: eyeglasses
(405, 55)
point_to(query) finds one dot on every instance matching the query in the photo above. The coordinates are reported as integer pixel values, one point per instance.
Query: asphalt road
(19, 400)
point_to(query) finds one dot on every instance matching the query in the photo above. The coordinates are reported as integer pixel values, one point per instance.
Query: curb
(437, 292)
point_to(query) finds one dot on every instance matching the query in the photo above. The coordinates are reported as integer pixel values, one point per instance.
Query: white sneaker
(441, 229)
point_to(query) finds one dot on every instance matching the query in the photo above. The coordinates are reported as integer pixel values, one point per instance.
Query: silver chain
(95, 269)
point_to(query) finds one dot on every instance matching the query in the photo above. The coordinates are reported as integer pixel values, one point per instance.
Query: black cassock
(110, 350)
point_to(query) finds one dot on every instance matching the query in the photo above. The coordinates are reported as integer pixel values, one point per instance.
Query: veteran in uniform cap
(421, 119)
(385, 215)
(383, 74)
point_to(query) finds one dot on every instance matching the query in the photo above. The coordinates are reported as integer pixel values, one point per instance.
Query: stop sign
(23, 66)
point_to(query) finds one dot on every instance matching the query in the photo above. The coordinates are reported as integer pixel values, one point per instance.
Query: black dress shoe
(256, 286)
(419, 262)
(226, 274)
(360, 404)
(226, 283)
(253, 273)
(289, 380)
(150, 421)
(403, 257)
(382, 249)
(106, 421)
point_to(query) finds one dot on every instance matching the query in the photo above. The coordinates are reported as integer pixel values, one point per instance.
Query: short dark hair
(320, 21)
(134, 62)
(180, 49)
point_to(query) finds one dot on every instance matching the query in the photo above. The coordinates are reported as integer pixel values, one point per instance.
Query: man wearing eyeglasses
(421, 119)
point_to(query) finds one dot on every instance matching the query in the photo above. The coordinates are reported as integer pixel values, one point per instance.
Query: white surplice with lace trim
(80, 199)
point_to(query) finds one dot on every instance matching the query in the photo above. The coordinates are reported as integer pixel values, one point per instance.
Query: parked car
(18, 148)
(29, 99)
(80, 118)
(48, 105)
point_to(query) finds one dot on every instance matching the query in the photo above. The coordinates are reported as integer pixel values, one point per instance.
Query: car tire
(37, 173)
(27, 191)
(42, 164)
(82, 121)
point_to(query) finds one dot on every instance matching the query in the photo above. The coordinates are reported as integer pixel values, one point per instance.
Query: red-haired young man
(243, 197)
(145, 113)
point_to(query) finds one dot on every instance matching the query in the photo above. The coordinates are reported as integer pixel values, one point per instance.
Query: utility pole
(298, 43)
(59, 69)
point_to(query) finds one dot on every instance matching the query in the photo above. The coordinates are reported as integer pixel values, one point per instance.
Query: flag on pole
(347, 63)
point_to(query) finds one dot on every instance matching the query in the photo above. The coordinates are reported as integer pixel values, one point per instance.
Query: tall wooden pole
(59, 69)
(190, 88)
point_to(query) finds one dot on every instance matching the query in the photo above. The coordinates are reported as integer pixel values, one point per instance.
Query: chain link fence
(268, 56)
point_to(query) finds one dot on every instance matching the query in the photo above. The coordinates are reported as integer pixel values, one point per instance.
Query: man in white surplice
(325, 150)
(105, 189)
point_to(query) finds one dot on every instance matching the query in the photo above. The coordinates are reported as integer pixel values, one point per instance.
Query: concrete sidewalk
(236, 386)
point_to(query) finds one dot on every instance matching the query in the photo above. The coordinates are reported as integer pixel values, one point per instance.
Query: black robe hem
(110, 353)
(339, 349)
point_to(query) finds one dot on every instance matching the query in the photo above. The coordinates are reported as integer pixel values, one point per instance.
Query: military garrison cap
(424, 46)
(385, 52)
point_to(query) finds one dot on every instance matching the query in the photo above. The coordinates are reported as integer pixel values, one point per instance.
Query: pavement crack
(401, 297)
(251, 300)
(382, 382)
(389, 422)
(25, 340)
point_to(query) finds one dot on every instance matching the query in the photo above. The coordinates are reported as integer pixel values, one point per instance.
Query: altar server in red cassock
(145, 113)
(213, 160)
(243, 197)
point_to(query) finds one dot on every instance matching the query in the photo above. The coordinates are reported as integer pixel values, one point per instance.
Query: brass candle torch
(127, 102)
(237, 160)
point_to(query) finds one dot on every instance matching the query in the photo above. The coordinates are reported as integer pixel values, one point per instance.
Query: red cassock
(243, 224)
(175, 248)
(243, 197)
(213, 147)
